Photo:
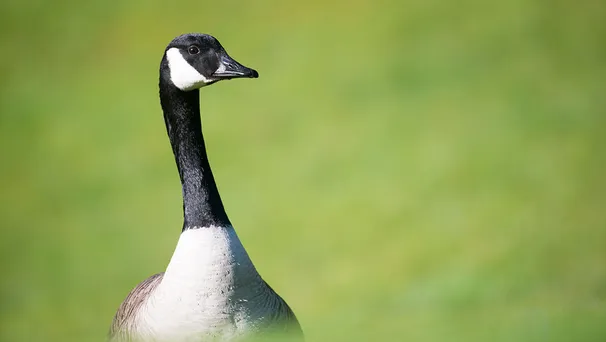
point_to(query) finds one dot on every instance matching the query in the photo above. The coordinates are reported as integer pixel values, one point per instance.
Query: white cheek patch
(182, 74)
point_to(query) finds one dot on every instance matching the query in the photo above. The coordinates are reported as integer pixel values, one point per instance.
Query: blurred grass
(402, 170)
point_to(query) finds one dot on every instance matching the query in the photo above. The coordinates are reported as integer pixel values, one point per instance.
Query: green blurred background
(402, 170)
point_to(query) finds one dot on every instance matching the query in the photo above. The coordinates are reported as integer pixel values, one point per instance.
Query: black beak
(229, 68)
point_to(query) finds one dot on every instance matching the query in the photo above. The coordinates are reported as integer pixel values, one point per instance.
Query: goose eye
(193, 50)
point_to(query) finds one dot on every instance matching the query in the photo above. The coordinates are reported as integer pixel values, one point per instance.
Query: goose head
(195, 60)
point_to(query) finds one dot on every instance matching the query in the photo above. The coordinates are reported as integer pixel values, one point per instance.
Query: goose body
(210, 290)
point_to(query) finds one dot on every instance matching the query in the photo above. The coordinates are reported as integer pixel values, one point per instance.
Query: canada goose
(210, 289)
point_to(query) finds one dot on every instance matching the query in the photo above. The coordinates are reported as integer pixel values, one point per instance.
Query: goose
(210, 290)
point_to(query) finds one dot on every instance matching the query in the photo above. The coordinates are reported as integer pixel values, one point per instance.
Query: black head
(195, 60)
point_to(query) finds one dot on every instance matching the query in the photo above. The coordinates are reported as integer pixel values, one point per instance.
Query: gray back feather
(125, 317)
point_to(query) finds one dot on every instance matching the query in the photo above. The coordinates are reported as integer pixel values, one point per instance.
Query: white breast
(210, 288)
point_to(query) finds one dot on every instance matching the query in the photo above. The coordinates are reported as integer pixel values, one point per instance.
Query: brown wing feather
(284, 313)
(126, 312)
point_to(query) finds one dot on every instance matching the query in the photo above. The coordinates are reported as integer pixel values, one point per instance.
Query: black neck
(202, 206)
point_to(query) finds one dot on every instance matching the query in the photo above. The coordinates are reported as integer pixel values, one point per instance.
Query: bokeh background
(402, 170)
